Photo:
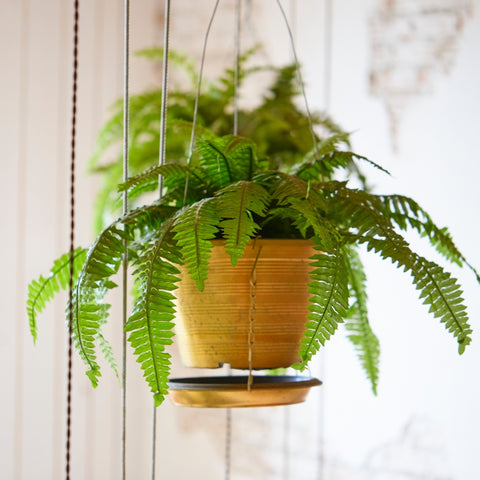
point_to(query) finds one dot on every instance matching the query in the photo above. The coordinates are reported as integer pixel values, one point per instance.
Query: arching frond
(227, 159)
(169, 171)
(364, 214)
(328, 301)
(150, 324)
(195, 226)
(406, 213)
(107, 352)
(236, 205)
(43, 290)
(299, 195)
(360, 333)
(442, 293)
(88, 311)
(318, 169)
(215, 161)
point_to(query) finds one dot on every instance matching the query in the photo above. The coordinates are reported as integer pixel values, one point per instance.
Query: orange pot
(217, 326)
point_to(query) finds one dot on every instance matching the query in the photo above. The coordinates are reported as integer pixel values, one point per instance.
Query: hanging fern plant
(235, 193)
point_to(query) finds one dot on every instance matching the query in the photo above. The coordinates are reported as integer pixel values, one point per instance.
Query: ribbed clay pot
(213, 326)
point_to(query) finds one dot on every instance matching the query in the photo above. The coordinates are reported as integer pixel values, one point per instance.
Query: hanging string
(238, 21)
(286, 444)
(328, 54)
(328, 22)
(126, 107)
(236, 79)
(163, 113)
(300, 78)
(228, 444)
(161, 161)
(197, 96)
(72, 238)
(251, 317)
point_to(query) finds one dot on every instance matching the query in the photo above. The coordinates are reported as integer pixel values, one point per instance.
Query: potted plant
(224, 203)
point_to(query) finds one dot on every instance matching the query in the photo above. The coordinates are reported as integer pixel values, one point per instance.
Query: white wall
(424, 422)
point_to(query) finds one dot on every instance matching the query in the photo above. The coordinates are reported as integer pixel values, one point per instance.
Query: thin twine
(286, 444)
(163, 113)
(161, 161)
(126, 108)
(238, 18)
(300, 78)
(197, 97)
(251, 318)
(72, 239)
(228, 444)
(328, 15)
(238, 32)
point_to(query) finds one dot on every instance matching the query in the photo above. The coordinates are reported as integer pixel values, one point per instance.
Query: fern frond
(298, 194)
(195, 226)
(323, 167)
(243, 158)
(406, 213)
(88, 313)
(227, 159)
(41, 291)
(150, 324)
(438, 288)
(177, 59)
(360, 333)
(328, 300)
(168, 170)
(236, 205)
(215, 161)
(332, 143)
(107, 352)
(442, 292)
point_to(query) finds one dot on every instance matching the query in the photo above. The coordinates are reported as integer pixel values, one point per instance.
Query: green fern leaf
(441, 292)
(41, 291)
(88, 313)
(438, 288)
(169, 170)
(215, 161)
(227, 160)
(317, 169)
(299, 195)
(236, 205)
(195, 226)
(150, 324)
(405, 212)
(328, 300)
(107, 352)
(360, 333)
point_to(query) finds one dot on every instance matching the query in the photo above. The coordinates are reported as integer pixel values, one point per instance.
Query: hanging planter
(229, 193)
(234, 195)
(236, 313)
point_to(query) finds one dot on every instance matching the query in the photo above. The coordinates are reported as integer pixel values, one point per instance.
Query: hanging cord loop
(236, 77)
(251, 317)
(300, 79)
(197, 97)
(236, 81)
(72, 238)
(126, 107)
(161, 161)
(163, 108)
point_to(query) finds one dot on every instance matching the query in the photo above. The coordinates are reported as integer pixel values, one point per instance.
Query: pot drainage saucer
(232, 391)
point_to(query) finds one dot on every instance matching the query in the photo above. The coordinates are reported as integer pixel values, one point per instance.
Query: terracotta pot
(213, 326)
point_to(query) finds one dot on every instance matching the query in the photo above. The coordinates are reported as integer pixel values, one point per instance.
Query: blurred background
(403, 76)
